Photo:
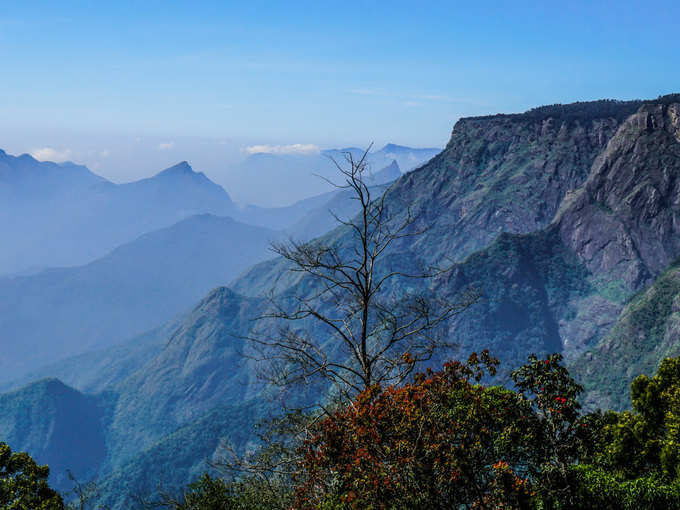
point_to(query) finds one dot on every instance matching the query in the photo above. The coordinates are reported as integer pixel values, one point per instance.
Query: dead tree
(362, 323)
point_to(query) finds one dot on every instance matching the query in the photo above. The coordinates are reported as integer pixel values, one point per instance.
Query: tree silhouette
(371, 324)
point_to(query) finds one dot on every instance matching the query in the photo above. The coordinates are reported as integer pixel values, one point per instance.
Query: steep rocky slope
(639, 239)
(624, 222)
(613, 236)
(504, 173)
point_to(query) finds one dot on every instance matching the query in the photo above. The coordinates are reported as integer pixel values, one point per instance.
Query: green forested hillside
(645, 333)
(58, 424)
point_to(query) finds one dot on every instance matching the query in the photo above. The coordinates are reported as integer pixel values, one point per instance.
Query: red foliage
(439, 442)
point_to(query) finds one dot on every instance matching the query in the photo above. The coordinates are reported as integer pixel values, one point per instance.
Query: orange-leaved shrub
(441, 441)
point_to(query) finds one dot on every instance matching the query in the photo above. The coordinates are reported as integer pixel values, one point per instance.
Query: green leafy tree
(635, 464)
(560, 434)
(646, 440)
(595, 488)
(23, 483)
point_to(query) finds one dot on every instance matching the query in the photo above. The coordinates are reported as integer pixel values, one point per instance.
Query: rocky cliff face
(624, 222)
(610, 238)
(610, 169)
(507, 173)
(502, 173)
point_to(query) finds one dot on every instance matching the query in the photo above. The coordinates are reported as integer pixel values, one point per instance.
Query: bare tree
(83, 496)
(360, 325)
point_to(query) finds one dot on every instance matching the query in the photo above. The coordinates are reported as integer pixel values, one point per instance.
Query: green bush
(23, 483)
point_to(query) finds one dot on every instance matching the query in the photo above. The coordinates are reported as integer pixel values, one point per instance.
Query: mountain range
(565, 218)
(268, 179)
(146, 281)
(136, 287)
(311, 217)
(85, 216)
(58, 215)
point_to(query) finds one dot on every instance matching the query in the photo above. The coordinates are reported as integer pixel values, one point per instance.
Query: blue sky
(89, 80)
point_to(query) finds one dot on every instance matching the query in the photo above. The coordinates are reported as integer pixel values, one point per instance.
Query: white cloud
(296, 148)
(166, 146)
(51, 154)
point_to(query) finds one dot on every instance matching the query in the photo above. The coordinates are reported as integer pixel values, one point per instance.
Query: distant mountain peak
(387, 174)
(393, 170)
(52, 384)
(343, 150)
(180, 178)
(182, 168)
(396, 149)
(47, 385)
(391, 147)
(36, 177)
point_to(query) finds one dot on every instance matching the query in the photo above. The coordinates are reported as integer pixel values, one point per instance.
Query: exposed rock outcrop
(624, 223)
(507, 173)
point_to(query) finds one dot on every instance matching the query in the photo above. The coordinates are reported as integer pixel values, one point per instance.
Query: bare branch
(352, 332)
